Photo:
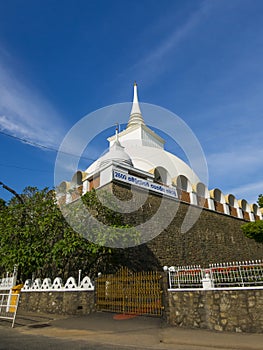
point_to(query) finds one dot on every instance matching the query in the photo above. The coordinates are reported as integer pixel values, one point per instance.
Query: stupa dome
(117, 154)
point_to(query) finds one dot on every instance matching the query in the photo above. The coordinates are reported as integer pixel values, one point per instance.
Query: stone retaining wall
(220, 310)
(214, 238)
(63, 303)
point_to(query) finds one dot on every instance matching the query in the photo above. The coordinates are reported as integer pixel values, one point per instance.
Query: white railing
(9, 281)
(242, 274)
(57, 285)
(6, 283)
(185, 276)
(245, 273)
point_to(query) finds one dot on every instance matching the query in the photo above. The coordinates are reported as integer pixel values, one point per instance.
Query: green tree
(36, 237)
(254, 230)
(26, 235)
(2, 203)
(98, 223)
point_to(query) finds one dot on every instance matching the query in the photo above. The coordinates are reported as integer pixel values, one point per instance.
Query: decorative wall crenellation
(57, 285)
(194, 194)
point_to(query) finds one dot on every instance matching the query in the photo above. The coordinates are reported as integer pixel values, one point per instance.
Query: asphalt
(124, 332)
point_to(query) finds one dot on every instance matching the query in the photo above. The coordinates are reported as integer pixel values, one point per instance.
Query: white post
(14, 275)
(207, 281)
(79, 278)
(226, 209)
(193, 198)
(211, 204)
(251, 217)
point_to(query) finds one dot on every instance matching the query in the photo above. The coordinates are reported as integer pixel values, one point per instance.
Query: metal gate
(8, 306)
(130, 292)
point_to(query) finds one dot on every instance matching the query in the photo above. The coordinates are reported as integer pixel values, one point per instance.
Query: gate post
(166, 302)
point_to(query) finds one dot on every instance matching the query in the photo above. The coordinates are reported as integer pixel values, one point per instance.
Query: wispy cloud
(153, 61)
(240, 166)
(239, 160)
(248, 191)
(25, 113)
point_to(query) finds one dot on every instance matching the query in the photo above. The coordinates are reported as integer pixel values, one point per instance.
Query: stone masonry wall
(61, 303)
(220, 310)
(214, 238)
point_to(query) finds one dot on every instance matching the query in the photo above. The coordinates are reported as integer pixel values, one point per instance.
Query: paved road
(106, 332)
(11, 339)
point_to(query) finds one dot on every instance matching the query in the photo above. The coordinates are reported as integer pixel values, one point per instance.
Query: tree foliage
(2, 204)
(98, 223)
(254, 230)
(36, 237)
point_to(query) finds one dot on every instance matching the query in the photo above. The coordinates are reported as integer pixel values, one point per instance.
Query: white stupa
(141, 147)
(136, 156)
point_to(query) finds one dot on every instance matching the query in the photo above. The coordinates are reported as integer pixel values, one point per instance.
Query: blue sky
(202, 60)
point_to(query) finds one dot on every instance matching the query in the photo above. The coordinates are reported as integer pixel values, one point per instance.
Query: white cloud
(238, 171)
(151, 65)
(241, 160)
(25, 113)
(249, 191)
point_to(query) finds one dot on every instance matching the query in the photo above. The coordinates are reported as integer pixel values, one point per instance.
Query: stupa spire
(136, 114)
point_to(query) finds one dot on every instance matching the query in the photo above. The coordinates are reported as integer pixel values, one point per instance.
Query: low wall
(236, 310)
(63, 303)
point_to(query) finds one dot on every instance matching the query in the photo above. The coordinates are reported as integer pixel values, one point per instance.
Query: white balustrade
(6, 283)
(86, 283)
(239, 274)
(71, 283)
(57, 286)
(46, 283)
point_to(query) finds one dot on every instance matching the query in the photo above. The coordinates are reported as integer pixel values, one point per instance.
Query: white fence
(9, 281)
(6, 283)
(245, 274)
(57, 285)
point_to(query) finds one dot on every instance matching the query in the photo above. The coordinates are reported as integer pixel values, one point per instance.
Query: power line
(35, 144)
(24, 168)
